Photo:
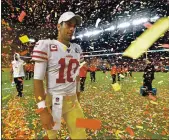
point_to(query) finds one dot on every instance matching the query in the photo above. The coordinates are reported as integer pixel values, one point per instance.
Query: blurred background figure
(18, 73)
(92, 70)
(113, 73)
(118, 72)
(148, 78)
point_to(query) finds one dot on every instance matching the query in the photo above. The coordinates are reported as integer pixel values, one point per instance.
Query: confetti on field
(155, 103)
(140, 127)
(160, 82)
(130, 131)
(116, 87)
(88, 123)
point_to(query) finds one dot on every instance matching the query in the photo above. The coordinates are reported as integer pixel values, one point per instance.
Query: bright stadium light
(123, 25)
(110, 28)
(153, 19)
(92, 33)
(139, 21)
(73, 37)
(79, 36)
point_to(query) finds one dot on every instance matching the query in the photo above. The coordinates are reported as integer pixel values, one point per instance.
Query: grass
(116, 110)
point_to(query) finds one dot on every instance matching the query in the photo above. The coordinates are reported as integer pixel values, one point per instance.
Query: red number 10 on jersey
(62, 69)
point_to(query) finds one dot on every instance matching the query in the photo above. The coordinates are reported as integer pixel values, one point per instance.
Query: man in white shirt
(18, 73)
(59, 60)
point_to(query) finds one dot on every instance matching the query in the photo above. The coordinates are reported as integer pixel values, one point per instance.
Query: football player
(59, 60)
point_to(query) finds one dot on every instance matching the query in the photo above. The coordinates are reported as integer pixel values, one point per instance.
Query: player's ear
(58, 27)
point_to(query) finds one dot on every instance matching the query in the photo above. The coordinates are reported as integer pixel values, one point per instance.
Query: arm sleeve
(40, 70)
(40, 51)
(81, 54)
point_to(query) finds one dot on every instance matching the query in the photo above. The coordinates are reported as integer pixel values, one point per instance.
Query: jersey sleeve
(40, 51)
(81, 54)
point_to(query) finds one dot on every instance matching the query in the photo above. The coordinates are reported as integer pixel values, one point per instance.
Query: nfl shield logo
(53, 47)
(57, 99)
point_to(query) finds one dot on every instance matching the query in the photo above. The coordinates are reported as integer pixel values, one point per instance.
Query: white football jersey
(62, 65)
(17, 67)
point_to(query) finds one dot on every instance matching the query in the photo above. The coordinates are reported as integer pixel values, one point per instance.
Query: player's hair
(61, 23)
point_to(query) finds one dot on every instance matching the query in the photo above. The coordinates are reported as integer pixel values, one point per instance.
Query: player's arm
(40, 56)
(39, 74)
(78, 87)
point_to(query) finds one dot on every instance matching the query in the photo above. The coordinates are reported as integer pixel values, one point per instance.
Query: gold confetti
(40, 98)
(116, 87)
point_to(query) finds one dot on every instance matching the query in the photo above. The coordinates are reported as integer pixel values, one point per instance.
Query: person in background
(113, 73)
(118, 72)
(92, 70)
(83, 74)
(148, 77)
(131, 69)
(31, 70)
(126, 71)
(122, 70)
(18, 73)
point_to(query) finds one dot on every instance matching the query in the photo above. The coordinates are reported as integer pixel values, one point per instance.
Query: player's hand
(46, 119)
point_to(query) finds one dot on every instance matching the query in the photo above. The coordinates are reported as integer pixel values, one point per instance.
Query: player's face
(66, 30)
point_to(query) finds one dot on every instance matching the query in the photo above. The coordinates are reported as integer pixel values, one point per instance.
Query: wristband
(41, 104)
(38, 111)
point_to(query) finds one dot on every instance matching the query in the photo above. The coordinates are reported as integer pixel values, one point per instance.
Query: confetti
(130, 131)
(155, 103)
(40, 98)
(140, 127)
(148, 25)
(24, 39)
(160, 82)
(88, 123)
(136, 49)
(116, 87)
(21, 16)
(97, 22)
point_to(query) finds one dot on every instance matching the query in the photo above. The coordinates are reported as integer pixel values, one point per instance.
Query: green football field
(124, 114)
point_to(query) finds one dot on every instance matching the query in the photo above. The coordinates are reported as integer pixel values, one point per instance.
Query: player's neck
(67, 43)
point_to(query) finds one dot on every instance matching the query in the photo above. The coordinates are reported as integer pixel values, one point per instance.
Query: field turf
(124, 114)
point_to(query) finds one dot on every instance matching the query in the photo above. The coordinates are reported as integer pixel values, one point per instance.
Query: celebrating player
(60, 60)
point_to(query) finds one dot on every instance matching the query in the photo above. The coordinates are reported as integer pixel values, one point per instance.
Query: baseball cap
(69, 15)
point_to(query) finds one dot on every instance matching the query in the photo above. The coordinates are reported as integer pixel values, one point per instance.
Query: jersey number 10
(62, 68)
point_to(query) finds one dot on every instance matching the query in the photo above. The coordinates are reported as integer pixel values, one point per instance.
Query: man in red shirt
(113, 73)
(82, 74)
(93, 72)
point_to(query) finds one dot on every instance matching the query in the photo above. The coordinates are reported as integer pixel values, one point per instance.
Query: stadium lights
(110, 28)
(139, 21)
(123, 25)
(79, 36)
(92, 33)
